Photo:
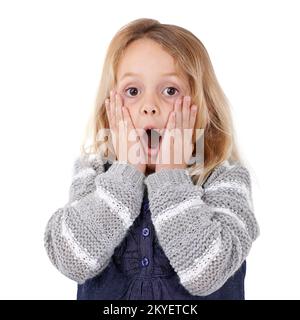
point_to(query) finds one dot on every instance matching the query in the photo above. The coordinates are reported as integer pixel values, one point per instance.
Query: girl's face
(149, 84)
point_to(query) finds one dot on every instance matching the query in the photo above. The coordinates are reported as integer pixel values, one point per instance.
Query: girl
(139, 227)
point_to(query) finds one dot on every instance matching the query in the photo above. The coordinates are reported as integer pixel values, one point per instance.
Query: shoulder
(91, 162)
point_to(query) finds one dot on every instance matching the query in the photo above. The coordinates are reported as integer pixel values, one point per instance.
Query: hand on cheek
(176, 145)
(122, 128)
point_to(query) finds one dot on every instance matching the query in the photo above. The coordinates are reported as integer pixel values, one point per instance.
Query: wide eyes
(171, 91)
(133, 91)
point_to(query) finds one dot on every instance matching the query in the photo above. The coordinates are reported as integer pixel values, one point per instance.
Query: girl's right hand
(122, 129)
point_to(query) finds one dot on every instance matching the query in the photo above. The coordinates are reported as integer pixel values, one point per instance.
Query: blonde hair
(191, 57)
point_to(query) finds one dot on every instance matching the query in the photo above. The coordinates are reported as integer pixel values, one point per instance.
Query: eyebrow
(132, 74)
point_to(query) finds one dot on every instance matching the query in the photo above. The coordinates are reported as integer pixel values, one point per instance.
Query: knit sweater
(140, 270)
(205, 231)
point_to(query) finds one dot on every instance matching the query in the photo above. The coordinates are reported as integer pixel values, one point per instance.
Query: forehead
(145, 57)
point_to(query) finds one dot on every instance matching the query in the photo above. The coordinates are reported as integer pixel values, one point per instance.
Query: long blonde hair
(191, 57)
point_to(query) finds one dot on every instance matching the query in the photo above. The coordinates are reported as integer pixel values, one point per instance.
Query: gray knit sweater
(205, 231)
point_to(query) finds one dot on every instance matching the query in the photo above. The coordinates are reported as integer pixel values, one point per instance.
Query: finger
(178, 117)
(112, 109)
(107, 108)
(170, 126)
(171, 121)
(126, 119)
(129, 123)
(172, 137)
(119, 114)
(136, 133)
(193, 115)
(186, 112)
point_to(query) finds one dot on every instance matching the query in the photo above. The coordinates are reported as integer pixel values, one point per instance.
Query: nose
(150, 110)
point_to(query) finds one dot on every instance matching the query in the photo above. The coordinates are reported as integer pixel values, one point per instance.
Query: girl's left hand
(175, 152)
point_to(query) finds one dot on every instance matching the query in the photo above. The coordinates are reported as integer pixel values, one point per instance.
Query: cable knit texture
(80, 237)
(205, 231)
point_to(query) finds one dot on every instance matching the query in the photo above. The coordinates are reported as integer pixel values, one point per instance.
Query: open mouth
(153, 139)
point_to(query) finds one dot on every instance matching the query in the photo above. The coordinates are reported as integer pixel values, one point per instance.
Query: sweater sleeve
(81, 236)
(85, 170)
(205, 231)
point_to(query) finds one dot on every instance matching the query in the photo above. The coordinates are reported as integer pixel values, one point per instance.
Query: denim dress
(140, 270)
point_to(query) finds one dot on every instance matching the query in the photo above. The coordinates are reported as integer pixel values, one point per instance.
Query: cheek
(168, 106)
(128, 102)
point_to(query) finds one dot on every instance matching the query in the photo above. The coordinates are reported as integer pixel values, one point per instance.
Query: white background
(51, 57)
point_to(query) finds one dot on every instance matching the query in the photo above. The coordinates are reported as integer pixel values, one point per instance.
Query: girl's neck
(149, 170)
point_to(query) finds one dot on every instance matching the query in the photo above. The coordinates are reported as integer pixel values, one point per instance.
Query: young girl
(138, 227)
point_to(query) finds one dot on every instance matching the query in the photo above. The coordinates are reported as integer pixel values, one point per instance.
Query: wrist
(127, 172)
(167, 177)
(161, 167)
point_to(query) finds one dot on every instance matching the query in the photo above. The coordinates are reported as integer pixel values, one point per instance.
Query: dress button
(145, 232)
(145, 261)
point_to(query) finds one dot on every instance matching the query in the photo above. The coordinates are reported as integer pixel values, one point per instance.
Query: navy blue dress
(140, 270)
